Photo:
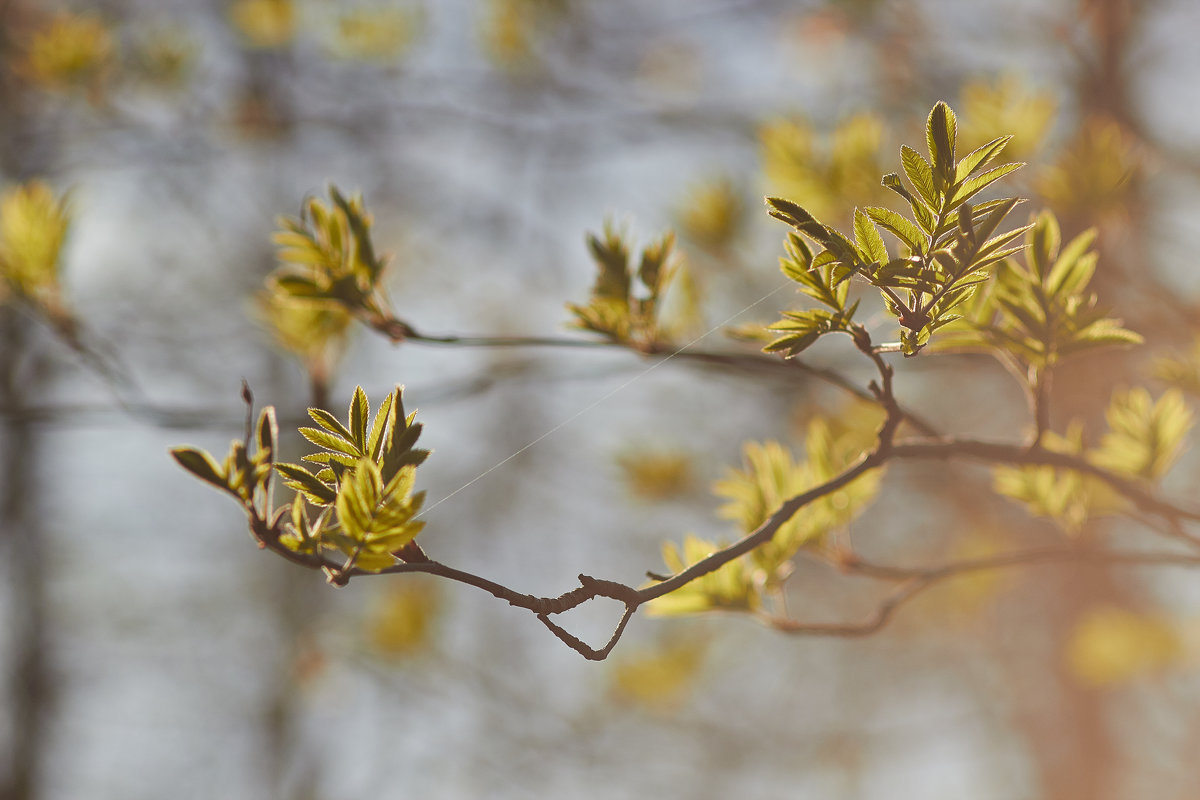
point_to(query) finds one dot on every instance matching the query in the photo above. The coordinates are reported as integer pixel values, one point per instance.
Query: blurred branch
(269, 528)
(749, 362)
(268, 534)
(1002, 453)
(914, 580)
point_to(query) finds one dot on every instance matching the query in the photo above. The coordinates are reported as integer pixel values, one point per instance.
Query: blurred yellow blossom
(312, 332)
(1008, 104)
(712, 213)
(71, 51)
(1092, 176)
(33, 225)
(656, 475)
(1113, 645)
(660, 678)
(375, 34)
(402, 617)
(264, 23)
(824, 176)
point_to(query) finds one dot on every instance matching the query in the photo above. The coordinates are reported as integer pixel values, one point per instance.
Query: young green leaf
(801, 329)
(376, 439)
(330, 423)
(979, 158)
(360, 411)
(870, 243)
(202, 465)
(1145, 436)
(904, 230)
(980, 182)
(299, 479)
(940, 134)
(920, 175)
(330, 441)
(797, 217)
(1067, 497)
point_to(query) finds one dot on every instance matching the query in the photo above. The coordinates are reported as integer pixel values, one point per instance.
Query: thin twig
(399, 331)
(1002, 453)
(914, 580)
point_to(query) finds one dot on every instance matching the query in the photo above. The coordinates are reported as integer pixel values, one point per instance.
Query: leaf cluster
(946, 246)
(358, 500)
(1067, 497)
(72, 51)
(729, 587)
(1144, 439)
(1041, 312)
(713, 214)
(825, 171)
(246, 469)
(312, 332)
(771, 474)
(1007, 104)
(1094, 174)
(327, 256)
(362, 490)
(33, 227)
(625, 302)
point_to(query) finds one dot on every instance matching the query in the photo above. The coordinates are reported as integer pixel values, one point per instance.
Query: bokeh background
(150, 650)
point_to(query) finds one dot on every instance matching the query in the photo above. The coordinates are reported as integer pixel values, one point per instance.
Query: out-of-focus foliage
(33, 226)
(1144, 440)
(660, 678)
(656, 475)
(712, 213)
(825, 175)
(313, 332)
(1007, 104)
(375, 33)
(1092, 176)
(266, 24)
(1111, 646)
(510, 31)
(403, 617)
(73, 51)
(771, 474)
(1145, 436)
(619, 308)
(965, 599)
(1180, 371)
(1042, 313)
(729, 587)
(162, 56)
(1067, 497)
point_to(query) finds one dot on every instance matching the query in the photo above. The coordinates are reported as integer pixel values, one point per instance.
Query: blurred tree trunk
(29, 686)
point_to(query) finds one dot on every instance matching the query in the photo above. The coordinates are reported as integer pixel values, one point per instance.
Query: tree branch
(398, 331)
(911, 581)
(914, 580)
(1001, 453)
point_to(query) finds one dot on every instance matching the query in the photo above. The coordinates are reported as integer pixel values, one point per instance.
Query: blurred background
(150, 650)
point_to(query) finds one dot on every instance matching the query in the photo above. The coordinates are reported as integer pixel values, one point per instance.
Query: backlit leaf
(201, 464)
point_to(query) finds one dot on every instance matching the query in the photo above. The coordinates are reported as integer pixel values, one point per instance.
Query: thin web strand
(605, 397)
